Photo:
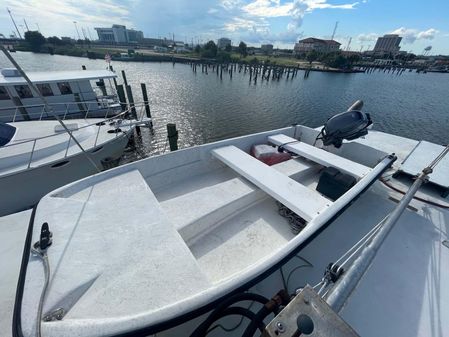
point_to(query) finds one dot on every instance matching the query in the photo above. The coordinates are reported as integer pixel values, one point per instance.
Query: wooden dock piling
(121, 96)
(146, 101)
(129, 93)
(125, 81)
(172, 135)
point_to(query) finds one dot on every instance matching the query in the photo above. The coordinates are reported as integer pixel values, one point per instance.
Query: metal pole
(18, 32)
(344, 287)
(47, 107)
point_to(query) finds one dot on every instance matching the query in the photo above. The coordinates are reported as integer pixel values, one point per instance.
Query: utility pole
(18, 32)
(26, 25)
(77, 32)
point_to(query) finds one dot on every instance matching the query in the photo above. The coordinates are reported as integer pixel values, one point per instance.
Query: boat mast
(46, 105)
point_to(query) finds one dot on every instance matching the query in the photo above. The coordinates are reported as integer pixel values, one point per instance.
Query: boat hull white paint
(36, 182)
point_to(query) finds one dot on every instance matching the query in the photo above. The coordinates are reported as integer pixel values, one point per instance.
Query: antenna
(38, 28)
(14, 22)
(335, 30)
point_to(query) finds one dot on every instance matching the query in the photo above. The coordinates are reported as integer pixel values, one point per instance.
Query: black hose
(258, 320)
(201, 330)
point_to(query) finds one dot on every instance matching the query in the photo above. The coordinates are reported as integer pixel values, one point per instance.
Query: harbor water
(206, 108)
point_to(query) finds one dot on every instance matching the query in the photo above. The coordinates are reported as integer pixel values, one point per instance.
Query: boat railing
(84, 109)
(134, 115)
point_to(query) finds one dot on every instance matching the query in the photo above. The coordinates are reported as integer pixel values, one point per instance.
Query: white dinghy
(149, 245)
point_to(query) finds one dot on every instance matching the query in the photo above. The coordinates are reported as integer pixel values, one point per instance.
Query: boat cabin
(83, 93)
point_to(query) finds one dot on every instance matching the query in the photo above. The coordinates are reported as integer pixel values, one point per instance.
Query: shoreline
(96, 54)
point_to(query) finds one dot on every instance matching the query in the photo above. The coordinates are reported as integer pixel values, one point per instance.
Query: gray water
(206, 108)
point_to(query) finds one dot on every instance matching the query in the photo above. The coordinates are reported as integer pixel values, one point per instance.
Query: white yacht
(196, 242)
(39, 156)
(75, 94)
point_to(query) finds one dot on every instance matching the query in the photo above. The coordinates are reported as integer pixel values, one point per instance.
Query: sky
(280, 22)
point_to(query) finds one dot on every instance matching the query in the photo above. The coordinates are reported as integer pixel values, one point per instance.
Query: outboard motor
(347, 125)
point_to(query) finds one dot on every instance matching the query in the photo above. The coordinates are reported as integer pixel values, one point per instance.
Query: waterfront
(206, 108)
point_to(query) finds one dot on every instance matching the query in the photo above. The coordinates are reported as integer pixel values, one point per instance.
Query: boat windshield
(6, 133)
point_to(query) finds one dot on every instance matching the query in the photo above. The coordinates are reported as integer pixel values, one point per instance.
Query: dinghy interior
(152, 244)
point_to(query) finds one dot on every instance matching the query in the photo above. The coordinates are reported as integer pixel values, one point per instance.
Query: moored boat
(39, 156)
(71, 94)
(151, 246)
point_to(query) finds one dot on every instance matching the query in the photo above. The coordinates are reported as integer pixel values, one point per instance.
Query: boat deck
(16, 157)
(247, 224)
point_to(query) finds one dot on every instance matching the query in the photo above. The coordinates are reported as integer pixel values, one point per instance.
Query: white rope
(44, 257)
(361, 242)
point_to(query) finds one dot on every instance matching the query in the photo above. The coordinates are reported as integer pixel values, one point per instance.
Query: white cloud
(58, 15)
(410, 35)
(427, 34)
(251, 20)
(322, 4)
(268, 8)
(367, 37)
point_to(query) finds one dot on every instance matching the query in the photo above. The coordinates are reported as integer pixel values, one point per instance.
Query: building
(134, 35)
(223, 42)
(318, 45)
(266, 48)
(388, 43)
(119, 34)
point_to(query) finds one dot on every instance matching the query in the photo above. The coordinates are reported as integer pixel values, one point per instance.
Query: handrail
(140, 105)
(51, 104)
(141, 113)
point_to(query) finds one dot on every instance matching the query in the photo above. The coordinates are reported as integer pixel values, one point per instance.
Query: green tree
(312, 56)
(197, 49)
(243, 49)
(228, 48)
(223, 57)
(35, 39)
(54, 40)
(353, 58)
(209, 50)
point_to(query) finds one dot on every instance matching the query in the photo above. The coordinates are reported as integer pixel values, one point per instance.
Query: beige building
(318, 45)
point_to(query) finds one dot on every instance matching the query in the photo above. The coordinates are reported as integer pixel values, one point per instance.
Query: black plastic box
(333, 184)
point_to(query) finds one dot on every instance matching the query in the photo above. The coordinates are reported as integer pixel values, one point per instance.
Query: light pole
(77, 32)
